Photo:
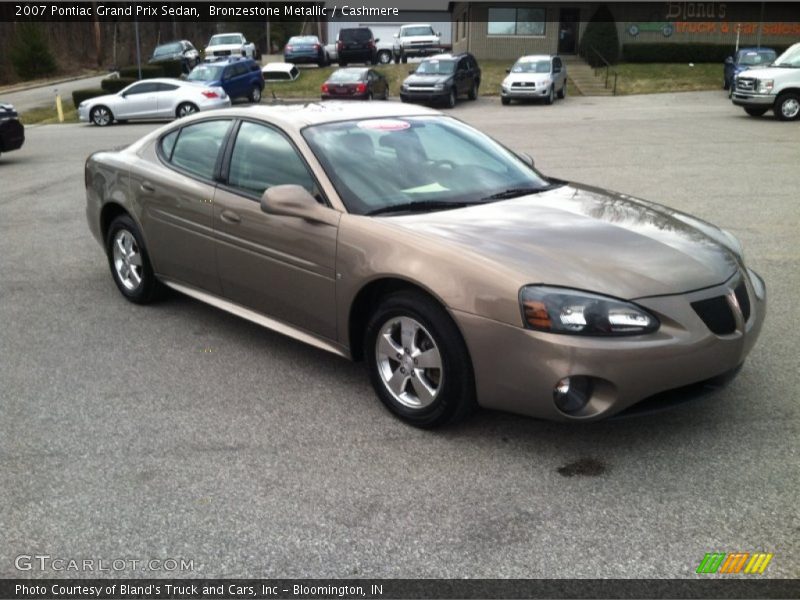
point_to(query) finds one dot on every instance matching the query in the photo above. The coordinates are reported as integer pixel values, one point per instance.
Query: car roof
(294, 117)
(278, 67)
(227, 33)
(534, 57)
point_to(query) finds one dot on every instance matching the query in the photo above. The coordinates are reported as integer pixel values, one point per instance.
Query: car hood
(427, 79)
(762, 72)
(587, 238)
(223, 47)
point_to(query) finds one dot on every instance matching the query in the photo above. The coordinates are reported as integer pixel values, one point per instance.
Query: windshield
(434, 66)
(220, 40)
(790, 58)
(760, 57)
(409, 31)
(346, 76)
(379, 163)
(206, 73)
(168, 49)
(531, 66)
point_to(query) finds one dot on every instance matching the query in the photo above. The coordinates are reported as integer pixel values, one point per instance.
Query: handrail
(607, 67)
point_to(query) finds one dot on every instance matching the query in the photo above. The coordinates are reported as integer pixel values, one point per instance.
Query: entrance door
(568, 30)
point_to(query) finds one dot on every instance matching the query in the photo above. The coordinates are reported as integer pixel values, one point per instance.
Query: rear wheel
(418, 362)
(787, 107)
(130, 263)
(186, 109)
(755, 112)
(101, 116)
(563, 91)
(384, 57)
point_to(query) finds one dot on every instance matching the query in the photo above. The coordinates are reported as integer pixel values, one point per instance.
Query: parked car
(182, 50)
(416, 39)
(305, 49)
(746, 58)
(355, 83)
(443, 78)
(278, 72)
(384, 51)
(239, 77)
(775, 88)
(152, 99)
(12, 131)
(540, 76)
(410, 240)
(356, 44)
(224, 45)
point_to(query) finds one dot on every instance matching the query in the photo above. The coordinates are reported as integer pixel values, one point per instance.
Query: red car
(355, 83)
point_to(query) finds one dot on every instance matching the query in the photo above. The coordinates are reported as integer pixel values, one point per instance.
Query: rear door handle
(147, 187)
(230, 217)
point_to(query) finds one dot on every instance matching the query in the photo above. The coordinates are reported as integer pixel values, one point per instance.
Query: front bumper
(626, 370)
(425, 96)
(522, 93)
(750, 99)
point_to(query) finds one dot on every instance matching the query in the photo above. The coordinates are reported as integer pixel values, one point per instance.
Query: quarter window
(197, 147)
(262, 157)
(517, 21)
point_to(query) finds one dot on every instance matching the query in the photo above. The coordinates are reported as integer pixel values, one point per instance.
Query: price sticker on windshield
(384, 125)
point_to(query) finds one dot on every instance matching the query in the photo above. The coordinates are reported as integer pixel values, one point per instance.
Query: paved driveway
(177, 430)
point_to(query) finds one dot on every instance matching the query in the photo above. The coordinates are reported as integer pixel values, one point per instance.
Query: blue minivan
(240, 77)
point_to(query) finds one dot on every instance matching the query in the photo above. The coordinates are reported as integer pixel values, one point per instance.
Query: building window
(516, 21)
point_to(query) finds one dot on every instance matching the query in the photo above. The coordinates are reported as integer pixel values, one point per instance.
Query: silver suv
(538, 76)
(775, 88)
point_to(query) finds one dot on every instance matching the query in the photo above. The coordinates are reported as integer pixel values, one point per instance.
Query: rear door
(165, 99)
(283, 267)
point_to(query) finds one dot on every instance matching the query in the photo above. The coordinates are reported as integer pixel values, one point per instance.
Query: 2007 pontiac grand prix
(403, 237)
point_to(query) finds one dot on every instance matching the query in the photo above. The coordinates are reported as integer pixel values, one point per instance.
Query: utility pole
(138, 48)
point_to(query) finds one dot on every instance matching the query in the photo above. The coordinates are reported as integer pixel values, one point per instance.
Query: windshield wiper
(419, 206)
(521, 191)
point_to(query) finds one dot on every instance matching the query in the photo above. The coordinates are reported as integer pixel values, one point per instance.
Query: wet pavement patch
(584, 467)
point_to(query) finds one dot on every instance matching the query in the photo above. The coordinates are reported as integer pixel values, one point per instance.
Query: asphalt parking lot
(176, 430)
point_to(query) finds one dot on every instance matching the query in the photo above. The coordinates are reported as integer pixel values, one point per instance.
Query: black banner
(374, 589)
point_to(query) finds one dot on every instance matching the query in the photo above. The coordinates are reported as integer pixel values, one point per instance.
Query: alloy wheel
(185, 110)
(127, 260)
(101, 116)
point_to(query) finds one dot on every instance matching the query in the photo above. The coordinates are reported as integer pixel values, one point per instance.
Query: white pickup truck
(416, 39)
(775, 88)
(223, 45)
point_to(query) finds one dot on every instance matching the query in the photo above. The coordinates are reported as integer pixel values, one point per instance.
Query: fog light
(571, 394)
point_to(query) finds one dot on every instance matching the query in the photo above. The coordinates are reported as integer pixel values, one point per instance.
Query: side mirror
(438, 34)
(295, 201)
(412, 71)
(377, 40)
(508, 70)
(729, 60)
(526, 158)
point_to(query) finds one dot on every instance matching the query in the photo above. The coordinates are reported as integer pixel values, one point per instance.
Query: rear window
(348, 76)
(355, 35)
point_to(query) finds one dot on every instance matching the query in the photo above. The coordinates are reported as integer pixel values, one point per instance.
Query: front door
(568, 30)
(140, 100)
(283, 267)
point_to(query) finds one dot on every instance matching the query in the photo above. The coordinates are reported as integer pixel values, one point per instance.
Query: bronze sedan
(407, 239)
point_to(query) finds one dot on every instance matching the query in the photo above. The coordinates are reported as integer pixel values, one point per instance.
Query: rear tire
(755, 112)
(130, 263)
(384, 57)
(418, 362)
(787, 106)
(563, 92)
(186, 109)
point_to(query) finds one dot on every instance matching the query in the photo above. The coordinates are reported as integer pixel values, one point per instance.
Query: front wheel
(186, 109)
(505, 101)
(255, 95)
(755, 112)
(384, 57)
(787, 107)
(130, 263)
(551, 96)
(418, 362)
(451, 98)
(101, 116)
(473, 92)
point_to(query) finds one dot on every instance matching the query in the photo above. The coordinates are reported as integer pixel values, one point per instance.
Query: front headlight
(561, 310)
(765, 85)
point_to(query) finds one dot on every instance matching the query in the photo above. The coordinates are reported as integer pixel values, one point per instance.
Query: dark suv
(443, 78)
(240, 77)
(356, 44)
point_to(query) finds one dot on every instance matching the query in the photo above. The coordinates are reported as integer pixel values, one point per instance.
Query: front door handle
(147, 187)
(230, 217)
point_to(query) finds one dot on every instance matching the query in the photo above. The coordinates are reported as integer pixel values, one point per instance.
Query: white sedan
(152, 99)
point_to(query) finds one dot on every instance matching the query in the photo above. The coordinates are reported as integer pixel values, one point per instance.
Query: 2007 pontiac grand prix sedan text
(405, 238)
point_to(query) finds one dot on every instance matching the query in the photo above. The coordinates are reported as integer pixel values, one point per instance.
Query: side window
(142, 88)
(198, 146)
(167, 87)
(556, 65)
(262, 157)
(227, 73)
(462, 65)
(168, 143)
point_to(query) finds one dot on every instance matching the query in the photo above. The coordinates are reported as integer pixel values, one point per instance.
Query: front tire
(787, 106)
(473, 92)
(384, 57)
(551, 96)
(255, 95)
(505, 101)
(130, 263)
(563, 92)
(755, 112)
(186, 109)
(451, 98)
(418, 362)
(101, 116)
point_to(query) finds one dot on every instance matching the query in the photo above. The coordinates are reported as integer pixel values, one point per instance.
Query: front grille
(743, 299)
(525, 84)
(745, 84)
(716, 314)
